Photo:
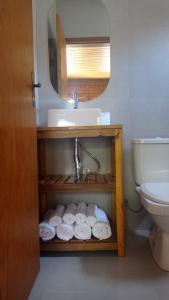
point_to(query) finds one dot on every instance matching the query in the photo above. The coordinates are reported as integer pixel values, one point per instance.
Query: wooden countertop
(78, 131)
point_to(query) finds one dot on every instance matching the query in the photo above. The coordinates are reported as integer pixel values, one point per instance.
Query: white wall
(138, 92)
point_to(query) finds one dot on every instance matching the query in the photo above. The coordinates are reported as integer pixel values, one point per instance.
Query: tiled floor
(102, 276)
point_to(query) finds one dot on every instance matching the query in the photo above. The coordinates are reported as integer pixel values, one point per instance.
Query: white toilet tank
(151, 160)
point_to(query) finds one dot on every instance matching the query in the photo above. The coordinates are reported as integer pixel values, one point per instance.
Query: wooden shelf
(77, 245)
(87, 183)
(92, 183)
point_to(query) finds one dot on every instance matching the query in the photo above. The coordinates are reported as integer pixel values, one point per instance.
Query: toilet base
(159, 243)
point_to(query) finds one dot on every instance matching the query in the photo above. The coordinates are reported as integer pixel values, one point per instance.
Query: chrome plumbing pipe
(77, 159)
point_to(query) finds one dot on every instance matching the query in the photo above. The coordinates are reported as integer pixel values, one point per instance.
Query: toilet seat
(155, 191)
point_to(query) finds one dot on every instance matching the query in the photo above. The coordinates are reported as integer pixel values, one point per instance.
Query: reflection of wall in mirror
(79, 19)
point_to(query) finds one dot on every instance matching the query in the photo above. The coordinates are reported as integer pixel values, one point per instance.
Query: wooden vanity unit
(89, 183)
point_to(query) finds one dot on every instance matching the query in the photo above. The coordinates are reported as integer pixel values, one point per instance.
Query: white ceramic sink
(74, 117)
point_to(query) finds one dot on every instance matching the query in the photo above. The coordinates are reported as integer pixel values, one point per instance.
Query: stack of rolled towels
(75, 220)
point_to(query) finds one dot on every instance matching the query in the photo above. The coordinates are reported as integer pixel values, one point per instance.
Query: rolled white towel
(101, 230)
(65, 232)
(54, 217)
(81, 213)
(91, 214)
(70, 212)
(82, 231)
(46, 231)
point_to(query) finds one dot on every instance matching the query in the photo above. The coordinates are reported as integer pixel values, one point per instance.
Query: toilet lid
(157, 192)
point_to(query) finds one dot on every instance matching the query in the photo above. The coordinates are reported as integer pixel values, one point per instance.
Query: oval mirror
(79, 48)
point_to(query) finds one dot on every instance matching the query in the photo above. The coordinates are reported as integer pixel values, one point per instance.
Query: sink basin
(74, 117)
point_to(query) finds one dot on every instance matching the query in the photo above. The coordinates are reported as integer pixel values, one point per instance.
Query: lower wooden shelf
(77, 245)
(57, 245)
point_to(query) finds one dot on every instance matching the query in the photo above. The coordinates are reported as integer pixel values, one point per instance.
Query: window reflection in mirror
(79, 48)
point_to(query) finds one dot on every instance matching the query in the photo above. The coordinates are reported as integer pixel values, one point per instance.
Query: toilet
(151, 166)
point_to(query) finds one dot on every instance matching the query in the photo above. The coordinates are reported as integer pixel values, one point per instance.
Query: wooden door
(61, 59)
(19, 249)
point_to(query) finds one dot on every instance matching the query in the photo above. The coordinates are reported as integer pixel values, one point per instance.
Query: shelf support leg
(112, 155)
(119, 194)
(42, 172)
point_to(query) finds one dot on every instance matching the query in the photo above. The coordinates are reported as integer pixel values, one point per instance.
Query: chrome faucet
(75, 98)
